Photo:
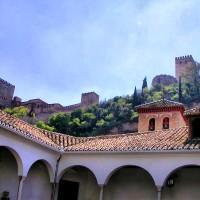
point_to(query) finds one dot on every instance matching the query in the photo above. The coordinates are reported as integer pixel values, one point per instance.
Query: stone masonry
(6, 93)
(186, 68)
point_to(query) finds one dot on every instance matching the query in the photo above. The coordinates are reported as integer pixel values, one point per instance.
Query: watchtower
(186, 68)
(89, 98)
(6, 93)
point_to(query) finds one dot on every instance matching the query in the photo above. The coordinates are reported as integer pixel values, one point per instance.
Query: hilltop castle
(39, 107)
(185, 67)
(43, 110)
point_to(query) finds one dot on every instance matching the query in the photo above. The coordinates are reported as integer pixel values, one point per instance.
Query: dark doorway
(196, 128)
(68, 190)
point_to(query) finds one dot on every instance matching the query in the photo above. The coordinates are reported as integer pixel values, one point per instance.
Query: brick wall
(176, 120)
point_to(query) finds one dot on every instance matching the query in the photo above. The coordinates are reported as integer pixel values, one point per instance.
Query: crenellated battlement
(184, 59)
(6, 83)
(185, 67)
(6, 93)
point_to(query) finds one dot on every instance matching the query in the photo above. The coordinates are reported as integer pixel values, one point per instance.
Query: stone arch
(130, 182)
(176, 169)
(11, 169)
(182, 183)
(72, 166)
(80, 181)
(48, 166)
(20, 166)
(37, 182)
(163, 115)
(128, 165)
(152, 115)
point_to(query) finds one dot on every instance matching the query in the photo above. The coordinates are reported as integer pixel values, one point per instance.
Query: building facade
(153, 164)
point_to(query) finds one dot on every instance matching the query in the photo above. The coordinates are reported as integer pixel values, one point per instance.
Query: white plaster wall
(130, 183)
(9, 179)
(29, 152)
(88, 188)
(186, 186)
(158, 164)
(37, 184)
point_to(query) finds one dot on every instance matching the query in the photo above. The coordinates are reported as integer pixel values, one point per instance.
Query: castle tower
(88, 99)
(186, 68)
(6, 93)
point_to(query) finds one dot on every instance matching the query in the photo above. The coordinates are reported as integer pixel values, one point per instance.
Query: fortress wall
(6, 93)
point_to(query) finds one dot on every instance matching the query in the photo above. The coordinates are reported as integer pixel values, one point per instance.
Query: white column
(20, 187)
(159, 190)
(101, 192)
(56, 191)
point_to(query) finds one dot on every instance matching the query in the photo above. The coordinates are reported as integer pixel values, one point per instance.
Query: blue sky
(55, 50)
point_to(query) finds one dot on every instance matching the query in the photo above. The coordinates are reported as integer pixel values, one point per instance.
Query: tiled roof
(173, 139)
(51, 139)
(163, 103)
(193, 111)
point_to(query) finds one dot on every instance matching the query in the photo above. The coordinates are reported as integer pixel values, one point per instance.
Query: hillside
(114, 113)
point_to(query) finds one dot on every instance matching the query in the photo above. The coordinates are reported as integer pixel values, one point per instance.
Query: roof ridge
(59, 139)
(158, 101)
(159, 140)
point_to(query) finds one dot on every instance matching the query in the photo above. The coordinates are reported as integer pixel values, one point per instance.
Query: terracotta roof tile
(173, 139)
(163, 103)
(51, 139)
(193, 111)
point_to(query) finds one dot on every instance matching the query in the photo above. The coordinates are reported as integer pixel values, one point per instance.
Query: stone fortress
(43, 110)
(40, 108)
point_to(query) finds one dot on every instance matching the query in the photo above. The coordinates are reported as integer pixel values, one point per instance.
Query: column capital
(101, 185)
(101, 191)
(159, 191)
(159, 188)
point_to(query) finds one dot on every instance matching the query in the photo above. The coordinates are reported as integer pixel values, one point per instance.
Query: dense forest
(100, 119)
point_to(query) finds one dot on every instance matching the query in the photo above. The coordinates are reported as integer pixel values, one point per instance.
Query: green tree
(180, 95)
(144, 84)
(60, 121)
(135, 98)
(18, 112)
(42, 125)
